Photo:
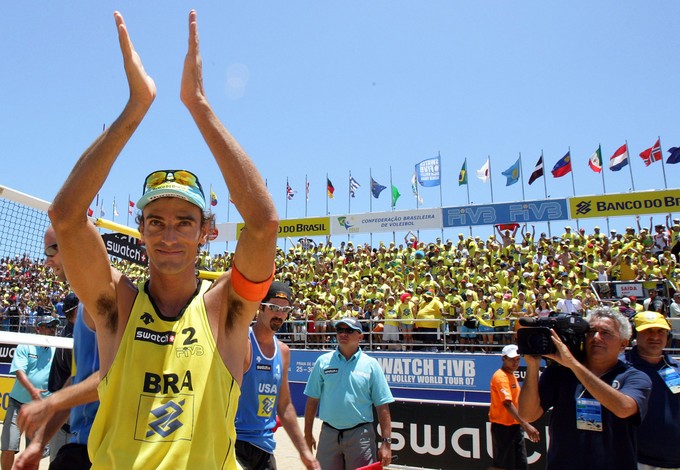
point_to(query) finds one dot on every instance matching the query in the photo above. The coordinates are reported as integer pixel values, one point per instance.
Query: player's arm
(83, 252)
(531, 431)
(254, 253)
(37, 413)
(288, 416)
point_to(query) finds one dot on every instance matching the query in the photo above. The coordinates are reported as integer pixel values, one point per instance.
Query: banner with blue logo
(521, 212)
(428, 172)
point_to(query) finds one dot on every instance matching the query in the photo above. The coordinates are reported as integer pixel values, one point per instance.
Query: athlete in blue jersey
(265, 392)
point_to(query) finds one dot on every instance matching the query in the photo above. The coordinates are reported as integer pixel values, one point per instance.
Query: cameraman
(597, 404)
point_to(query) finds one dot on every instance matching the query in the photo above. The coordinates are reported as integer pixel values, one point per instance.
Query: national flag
(652, 154)
(329, 188)
(504, 227)
(290, 192)
(115, 209)
(512, 173)
(376, 188)
(538, 170)
(307, 192)
(595, 160)
(462, 176)
(353, 186)
(90, 212)
(213, 198)
(414, 188)
(395, 195)
(619, 159)
(674, 156)
(102, 212)
(483, 173)
(131, 205)
(562, 167)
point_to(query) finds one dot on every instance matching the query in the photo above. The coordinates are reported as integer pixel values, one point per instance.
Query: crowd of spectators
(464, 293)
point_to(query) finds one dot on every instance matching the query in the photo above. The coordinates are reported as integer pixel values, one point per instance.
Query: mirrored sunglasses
(183, 177)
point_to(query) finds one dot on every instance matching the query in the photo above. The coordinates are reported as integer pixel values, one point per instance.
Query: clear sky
(313, 88)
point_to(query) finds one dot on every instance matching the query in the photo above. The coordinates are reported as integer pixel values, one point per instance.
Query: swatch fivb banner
(428, 172)
(386, 221)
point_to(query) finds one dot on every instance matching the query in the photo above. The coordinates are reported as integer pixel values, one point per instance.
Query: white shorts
(391, 333)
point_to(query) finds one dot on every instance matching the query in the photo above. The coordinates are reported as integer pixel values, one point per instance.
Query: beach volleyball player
(171, 348)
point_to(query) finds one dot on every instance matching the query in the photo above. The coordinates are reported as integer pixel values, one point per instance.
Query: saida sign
(612, 205)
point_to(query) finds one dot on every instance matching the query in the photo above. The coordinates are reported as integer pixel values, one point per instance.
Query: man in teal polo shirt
(344, 386)
(35, 363)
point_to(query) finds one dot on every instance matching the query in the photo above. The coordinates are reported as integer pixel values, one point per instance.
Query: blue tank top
(256, 415)
(85, 363)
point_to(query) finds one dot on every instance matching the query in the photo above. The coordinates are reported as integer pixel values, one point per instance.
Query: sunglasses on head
(278, 308)
(344, 329)
(183, 177)
(51, 250)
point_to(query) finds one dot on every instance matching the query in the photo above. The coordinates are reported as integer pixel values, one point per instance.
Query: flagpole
(392, 202)
(490, 179)
(441, 199)
(545, 188)
(128, 211)
(521, 174)
(306, 194)
(327, 213)
(663, 166)
(467, 187)
(630, 166)
(604, 189)
(663, 169)
(349, 195)
(573, 185)
(285, 239)
(113, 210)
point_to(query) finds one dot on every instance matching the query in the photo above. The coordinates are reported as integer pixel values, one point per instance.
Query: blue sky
(316, 88)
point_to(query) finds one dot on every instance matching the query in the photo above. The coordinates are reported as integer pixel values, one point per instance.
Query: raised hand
(191, 91)
(142, 86)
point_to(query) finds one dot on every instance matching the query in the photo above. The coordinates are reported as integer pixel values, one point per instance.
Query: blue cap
(353, 323)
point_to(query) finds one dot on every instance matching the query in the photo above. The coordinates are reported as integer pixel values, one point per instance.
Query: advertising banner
(308, 227)
(125, 247)
(386, 221)
(512, 212)
(612, 205)
(450, 436)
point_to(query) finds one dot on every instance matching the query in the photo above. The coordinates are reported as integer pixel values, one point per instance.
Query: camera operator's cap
(353, 323)
(625, 300)
(46, 320)
(644, 320)
(279, 290)
(181, 184)
(510, 351)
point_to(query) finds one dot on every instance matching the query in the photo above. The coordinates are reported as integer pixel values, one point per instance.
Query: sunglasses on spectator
(343, 329)
(183, 177)
(278, 308)
(51, 250)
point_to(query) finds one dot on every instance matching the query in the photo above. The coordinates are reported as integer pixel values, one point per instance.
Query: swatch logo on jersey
(156, 337)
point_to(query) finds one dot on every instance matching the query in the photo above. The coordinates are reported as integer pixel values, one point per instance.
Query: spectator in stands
(659, 432)
(569, 304)
(596, 404)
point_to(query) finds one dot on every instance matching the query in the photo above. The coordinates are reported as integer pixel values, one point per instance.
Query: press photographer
(597, 402)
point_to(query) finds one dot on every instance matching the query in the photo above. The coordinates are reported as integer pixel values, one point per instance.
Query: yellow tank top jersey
(168, 401)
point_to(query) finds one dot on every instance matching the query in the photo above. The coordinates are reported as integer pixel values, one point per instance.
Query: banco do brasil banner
(308, 227)
(612, 205)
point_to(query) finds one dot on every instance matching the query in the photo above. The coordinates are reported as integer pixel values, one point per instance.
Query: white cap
(510, 351)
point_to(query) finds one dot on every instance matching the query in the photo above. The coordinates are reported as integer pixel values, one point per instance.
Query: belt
(341, 431)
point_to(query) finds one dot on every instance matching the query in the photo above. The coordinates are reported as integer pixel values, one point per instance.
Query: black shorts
(71, 457)
(251, 457)
(509, 451)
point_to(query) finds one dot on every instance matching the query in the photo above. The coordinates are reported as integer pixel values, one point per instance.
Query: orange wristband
(249, 290)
